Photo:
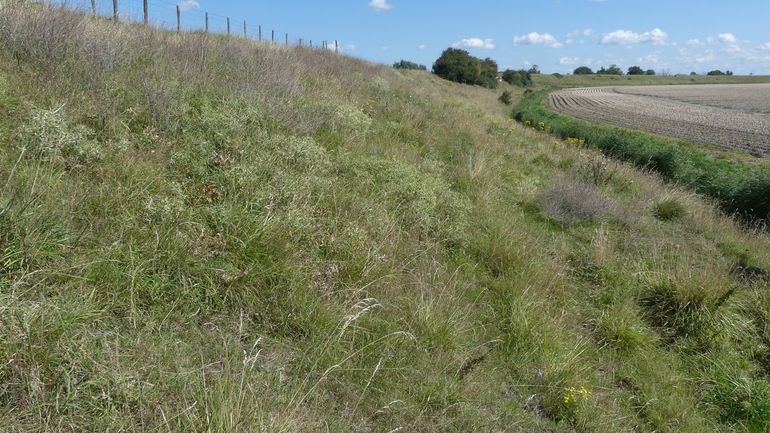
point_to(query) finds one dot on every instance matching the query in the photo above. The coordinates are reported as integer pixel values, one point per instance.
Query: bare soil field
(734, 116)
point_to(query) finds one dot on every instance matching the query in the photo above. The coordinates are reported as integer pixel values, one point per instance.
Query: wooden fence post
(244, 29)
(272, 38)
(300, 42)
(146, 12)
(115, 10)
(336, 47)
(228, 26)
(93, 7)
(207, 22)
(178, 19)
(287, 39)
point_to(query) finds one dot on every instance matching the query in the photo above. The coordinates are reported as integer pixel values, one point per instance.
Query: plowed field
(736, 117)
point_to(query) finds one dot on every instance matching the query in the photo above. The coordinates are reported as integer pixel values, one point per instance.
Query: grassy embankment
(200, 233)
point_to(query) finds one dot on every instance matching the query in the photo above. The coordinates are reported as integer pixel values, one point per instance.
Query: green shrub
(405, 64)
(669, 210)
(583, 70)
(505, 98)
(519, 78)
(612, 70)
(459, 66)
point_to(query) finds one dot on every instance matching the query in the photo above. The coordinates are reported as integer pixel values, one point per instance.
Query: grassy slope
(204, 234)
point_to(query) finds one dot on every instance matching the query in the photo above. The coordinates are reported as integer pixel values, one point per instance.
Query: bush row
(738, 188)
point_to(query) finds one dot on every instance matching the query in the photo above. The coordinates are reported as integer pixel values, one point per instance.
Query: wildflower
(572, 395)
(569, 396)
(584, 393)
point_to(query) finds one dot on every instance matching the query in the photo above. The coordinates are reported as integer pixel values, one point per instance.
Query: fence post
(336, 47)
(300, 42)
(272, 38)
(244, 29)
(228, 26)
(146, 12)
(93, 7)
(178, 19)
(287, 39)
(115, 10)
(207, 22)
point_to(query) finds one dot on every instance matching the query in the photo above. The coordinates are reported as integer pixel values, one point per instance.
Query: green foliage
(405, 64)
(583, 70)
(292, 241)
(669, 210)
(740, 189)
(519, 78)
(459, 66)
(719, 73)
(612, 70)
(650, 72)
(635, 70)
(505, 98)
(675, 311)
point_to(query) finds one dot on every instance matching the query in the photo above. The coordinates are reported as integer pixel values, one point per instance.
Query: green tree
(405, 64)
(534, 70)
(459, 66)
(583, 70)
(650, 72)
(612, 70)
(519, 78)
(715, 72)
(635, 70)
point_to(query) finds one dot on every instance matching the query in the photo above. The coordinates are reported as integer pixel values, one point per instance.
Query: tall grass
(200, 233)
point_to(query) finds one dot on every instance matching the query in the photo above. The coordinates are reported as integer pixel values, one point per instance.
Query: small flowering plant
(572, 399)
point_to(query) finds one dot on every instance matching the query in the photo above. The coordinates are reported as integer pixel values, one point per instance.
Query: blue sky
(558, 35)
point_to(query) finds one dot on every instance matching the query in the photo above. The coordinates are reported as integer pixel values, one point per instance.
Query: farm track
(733, 116)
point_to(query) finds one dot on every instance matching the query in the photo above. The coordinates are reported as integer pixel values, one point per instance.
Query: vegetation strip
(740, 189)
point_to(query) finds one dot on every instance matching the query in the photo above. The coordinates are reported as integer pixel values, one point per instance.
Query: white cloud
(535, 38)
(188, 5)
(485, 44)
(727, 38)
(694, 42)
(627, 37)
(380, 5)
(569, 60)
(765, 46)
(422, 46)
(649, 59)
(705, 57)
(585, 32)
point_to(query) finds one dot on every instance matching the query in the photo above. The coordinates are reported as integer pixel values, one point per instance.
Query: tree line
(459, 66)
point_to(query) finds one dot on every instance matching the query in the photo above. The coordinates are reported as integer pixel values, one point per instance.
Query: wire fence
(186, 16)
